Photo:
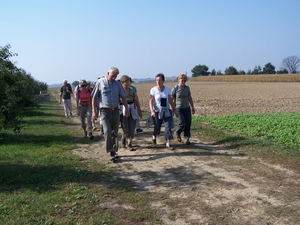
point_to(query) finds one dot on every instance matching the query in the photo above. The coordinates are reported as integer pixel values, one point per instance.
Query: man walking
(107, 93)
(65, 97)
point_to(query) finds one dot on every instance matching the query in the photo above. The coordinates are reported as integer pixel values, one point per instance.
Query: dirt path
(203, 183)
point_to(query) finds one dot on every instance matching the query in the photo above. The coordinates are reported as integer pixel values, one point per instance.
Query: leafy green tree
(17, 88)
(200, 70)
(242, 72)
(282, 71)
(231, 71)
(249, 72)
(219, 72)
(291, 63)
(257, 70)
(269, 69)
(213, 72)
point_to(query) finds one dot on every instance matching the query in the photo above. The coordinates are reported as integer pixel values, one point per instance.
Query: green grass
(279, 131)
(41, 182)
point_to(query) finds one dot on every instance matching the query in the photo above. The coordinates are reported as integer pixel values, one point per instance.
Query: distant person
(182, 97)
(109, 91)
(77, 87)
(91, 90)
(129, 123)
(160, 103)
(138, 124)
(65, 97)
(84, 108)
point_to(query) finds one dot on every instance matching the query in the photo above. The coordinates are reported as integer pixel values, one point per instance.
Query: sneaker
(178, 137)
(130, 147)
(187, 142)
(94, 128)
(139, 130)
(154, 141)
(91, 137)
(170, 147)
(85, 134)
(112, 156)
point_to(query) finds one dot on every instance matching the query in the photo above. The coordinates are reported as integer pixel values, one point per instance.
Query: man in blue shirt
(107, 93)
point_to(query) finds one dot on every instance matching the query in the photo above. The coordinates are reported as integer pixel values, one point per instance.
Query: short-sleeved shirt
(160, 98)
(108, 93)
(65, 94)
(84, 95)
(181, 96)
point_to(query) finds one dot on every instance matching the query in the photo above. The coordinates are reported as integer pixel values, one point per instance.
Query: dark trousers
(110, 121)
(184, 122)
(168, 121)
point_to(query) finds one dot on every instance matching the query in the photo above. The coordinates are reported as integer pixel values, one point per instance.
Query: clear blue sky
(81, 39)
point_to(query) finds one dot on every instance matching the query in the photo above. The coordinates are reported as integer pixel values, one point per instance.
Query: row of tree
(289, 65)
(17, 89)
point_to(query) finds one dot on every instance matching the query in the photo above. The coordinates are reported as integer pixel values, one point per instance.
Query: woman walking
(183, 101)
(160, 103)
(128, 123)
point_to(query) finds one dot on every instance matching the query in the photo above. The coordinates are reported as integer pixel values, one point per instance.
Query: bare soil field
(208, 183)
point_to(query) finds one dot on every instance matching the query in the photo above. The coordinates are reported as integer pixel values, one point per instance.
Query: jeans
(184, 121)
(168, 121)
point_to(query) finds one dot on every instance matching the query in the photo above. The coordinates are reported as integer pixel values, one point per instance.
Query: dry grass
(249, 78)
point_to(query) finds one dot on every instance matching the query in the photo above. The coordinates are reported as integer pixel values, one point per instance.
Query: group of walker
(116, 102)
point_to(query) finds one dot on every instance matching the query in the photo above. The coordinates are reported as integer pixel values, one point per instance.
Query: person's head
(160, 79)
(65, 82)
(88, 83)
(112, 74)
(182, 78)
(125, 81)
(83, 83)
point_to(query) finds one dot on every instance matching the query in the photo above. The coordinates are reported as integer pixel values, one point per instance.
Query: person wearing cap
(65, 97)
(107, 92)
(129, 123)
(162, 109)
(84, 108)
(183, 101)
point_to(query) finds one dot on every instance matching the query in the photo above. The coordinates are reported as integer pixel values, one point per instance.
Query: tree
(242, 72)
(257, 70)
(17, 88)
(291, 63)
(219, 72)
(200, 70)
(269, 69)
(282, 71)
(231, 71)
(213, 72)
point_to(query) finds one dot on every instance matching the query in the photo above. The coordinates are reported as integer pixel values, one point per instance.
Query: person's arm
(94, 108)
(138, 105)
(191, 103)
(60, 97)
(151, 101)
(171, 103)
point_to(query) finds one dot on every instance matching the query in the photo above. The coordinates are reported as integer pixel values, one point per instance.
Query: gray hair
(65, 81)
(114, 69)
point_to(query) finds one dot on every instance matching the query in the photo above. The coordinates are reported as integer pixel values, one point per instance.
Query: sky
(82, 39)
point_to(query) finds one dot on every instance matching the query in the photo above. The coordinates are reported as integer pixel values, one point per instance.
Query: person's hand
(127, 113)
(153, 114)
(94, 115)
(193, 110)
(176, 113)
(59, 102)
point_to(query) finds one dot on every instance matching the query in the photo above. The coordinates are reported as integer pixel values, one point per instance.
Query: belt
(111, 109)
(84, 103)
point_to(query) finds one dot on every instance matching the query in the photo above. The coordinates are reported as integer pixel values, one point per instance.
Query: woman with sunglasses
(183, 101)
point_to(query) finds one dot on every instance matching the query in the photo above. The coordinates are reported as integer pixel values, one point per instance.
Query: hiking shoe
(139, 130)
(130, 147)
(178, 137)
(112, 156)
(91, 137)
(187, 142)
(85, 134)
(154, 141)
(170, 147)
